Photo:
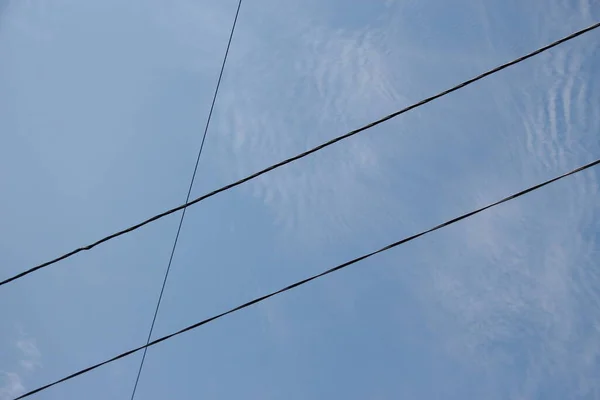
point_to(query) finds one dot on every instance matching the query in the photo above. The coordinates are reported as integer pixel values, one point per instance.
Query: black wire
(162, 289)
(306, 153)
(302, 282)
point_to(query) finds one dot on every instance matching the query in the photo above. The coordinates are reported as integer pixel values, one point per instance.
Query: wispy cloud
(525, 293)
(289, 92)
(10, 385)
(558, 118)
(29, 358)
(522, 300)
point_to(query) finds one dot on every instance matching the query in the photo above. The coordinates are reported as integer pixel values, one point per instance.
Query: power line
(187, 199)
(302, 282)
(306, 153)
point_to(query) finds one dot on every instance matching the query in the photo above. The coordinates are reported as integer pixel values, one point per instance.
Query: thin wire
(162, 289)
(308, 152)
(302, 282)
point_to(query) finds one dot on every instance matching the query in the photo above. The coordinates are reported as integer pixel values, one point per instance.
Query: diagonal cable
(306, 153)
(187, 199)
(307, 280)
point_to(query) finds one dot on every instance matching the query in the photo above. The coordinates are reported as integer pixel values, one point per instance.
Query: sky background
(102, 105)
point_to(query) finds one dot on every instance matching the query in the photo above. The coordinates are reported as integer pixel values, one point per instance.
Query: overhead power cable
(304, 281)
(187, 199)
(306, 153)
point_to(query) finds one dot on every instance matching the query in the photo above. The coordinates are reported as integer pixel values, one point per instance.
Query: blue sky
(102, 105)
